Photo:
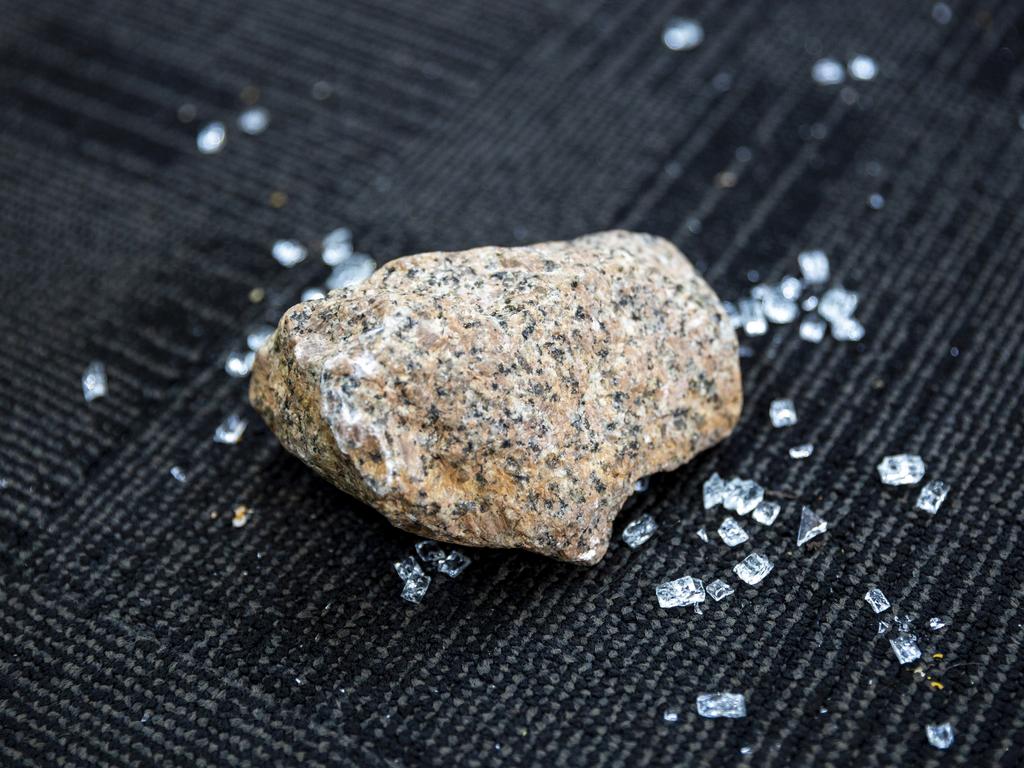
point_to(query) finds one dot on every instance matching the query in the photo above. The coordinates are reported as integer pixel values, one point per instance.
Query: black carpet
(139, 627)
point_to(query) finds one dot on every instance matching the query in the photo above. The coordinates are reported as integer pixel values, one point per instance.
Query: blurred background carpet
(138, 627)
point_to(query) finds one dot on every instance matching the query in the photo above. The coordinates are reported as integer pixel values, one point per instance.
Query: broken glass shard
(828, 71)
(682, 34)
(407, 568)
(777, 308)
(94, 381)
(837, 304)
(683, 591)
(288, 253)
(230, 430)
(802, 451)
(721, 705)
(809, 304)
(782, 413)
(940, 736)
(932, 495)
(337, 246)
(766, 512)
(902, 621)
(904, 645)
(254, 121)
(719, 590)
(847, 329)
(639, 531)
(430, 552)
(670, 716)
(753, 568)
(791, 287)
(741, 495)
(876, 599)
(178, 474)
(211, 137)
(811, 525)
(415, 587)
(239, 364)
(714, 491)
(752, 317)
(813, 266)
(454, 564)
(732, 533)
(883, 626)
(702, 534)
(812, 329)
(258, 336)
(937, 623)
(352, 271)
(902, 469)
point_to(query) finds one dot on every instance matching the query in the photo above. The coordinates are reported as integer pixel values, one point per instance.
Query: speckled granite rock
(506, 397)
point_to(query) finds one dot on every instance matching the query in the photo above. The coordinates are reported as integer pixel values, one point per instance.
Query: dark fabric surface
(138, 627)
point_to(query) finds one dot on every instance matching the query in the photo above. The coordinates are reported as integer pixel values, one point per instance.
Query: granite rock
(506, 397)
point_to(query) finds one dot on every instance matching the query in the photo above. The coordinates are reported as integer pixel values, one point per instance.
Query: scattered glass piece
(639, 531)
(407, 568)
(240, 516)
(312, 294)
(901, 469)
(353, 270)
(932, 495)
(254, 120)
(752, 317)
(415, 587)
(697, 609)
(210, 138)
(883, 626)
(239, 364)
(942, 13)
(94, 381)
(940, 736)
(178, 474)
(288, 253)
(876, 599)
(937, 623)
(862, 67)
(742, 496)
(257, 337)
(454, 564)
(641, 485)
(683, 591)
(902, 621)
(814, 266)
(837, 304)
(670, 716)
(828, 71)
(682, 34)
(904, 645)
(802, 451)
(732, 533)
(230, 430)
(782, 413)
(791, 287)
(430, 552)
(812, 329)
(777, 308)
(702, 534)
(721, 705)
(746, 749)
(847, 329)
(714, 491)
(811, 525)
(733, 313)
(766, 512)
(719, 590)
(809, 304)
(337, 246)
(753, 568)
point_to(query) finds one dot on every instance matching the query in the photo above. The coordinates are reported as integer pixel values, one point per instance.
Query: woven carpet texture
(139, 627)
